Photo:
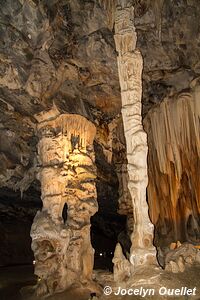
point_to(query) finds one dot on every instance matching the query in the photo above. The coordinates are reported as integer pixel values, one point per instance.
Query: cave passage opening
(16, 218)
(108, 226)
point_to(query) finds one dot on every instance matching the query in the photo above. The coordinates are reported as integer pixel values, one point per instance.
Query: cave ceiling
(63, 53)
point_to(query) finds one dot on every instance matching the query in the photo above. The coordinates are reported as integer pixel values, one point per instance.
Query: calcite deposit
(173, 191)
(182, 256)
(130, 66)
(78, 82)
(63, 252)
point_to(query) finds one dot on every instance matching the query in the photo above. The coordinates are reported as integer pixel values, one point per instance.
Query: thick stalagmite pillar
(62, 249)
(130, 64)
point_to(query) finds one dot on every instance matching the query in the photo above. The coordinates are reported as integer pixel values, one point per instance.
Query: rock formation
(173, 161)
(111, 137)
(130, 66)
(121, 269)
(63, 252)
(182, 256)
(64, 52)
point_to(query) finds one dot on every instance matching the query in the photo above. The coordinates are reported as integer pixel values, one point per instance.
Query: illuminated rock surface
(173, 192)
(63, 252)
(130, 66)
(59, 58)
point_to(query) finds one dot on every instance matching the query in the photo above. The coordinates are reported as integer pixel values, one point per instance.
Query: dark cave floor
(13, 278)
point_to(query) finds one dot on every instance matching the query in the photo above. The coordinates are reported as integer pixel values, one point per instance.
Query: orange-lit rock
(63, 251)
(173, 166)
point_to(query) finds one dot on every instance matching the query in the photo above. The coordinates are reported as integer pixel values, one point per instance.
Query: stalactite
(174, 158)
(63, 251)
(109, 6)
(157, 6)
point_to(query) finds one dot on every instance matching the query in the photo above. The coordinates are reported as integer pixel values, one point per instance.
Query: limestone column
(63, 251)
(130, 65)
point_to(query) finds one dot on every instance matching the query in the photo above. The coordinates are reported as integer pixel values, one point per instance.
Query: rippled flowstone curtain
(174, 159)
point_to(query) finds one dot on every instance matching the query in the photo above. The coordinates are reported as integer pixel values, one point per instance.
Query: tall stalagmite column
(63, 251)
(130, 64)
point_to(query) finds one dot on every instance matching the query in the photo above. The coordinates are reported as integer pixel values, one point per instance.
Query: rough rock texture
(168, 33)
(51, 51)
(173, 192)
(64, 51)
(62, 250)
(122, 270)
(183, 256)
(130, 68)
(110, 136)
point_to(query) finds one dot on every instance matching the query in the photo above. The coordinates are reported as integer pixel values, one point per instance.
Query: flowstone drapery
(130, 66)
(63, 251)
(174, 158)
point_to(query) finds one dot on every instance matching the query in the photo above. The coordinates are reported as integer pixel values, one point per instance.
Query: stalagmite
(178, 259)
(63, 251)
(130, 66)
(121, 265)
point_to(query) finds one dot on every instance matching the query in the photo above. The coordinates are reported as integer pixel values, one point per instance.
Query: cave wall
(64, 52)
(168, 37)
(15, 239)
(16, 218)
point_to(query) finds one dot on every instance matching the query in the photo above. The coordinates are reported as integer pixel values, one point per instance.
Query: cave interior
(99, 147)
